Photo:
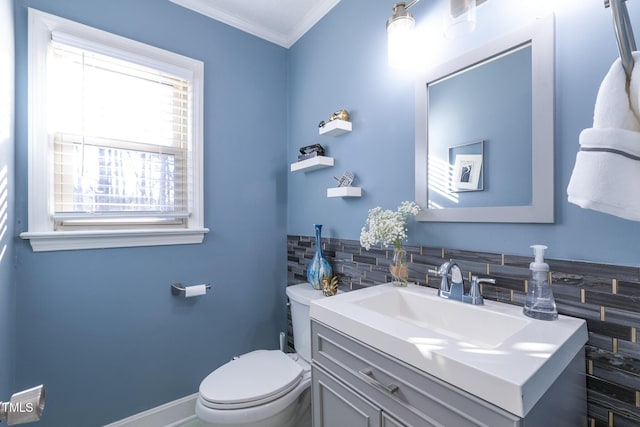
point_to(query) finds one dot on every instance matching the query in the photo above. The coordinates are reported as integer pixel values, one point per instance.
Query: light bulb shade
(400, 37)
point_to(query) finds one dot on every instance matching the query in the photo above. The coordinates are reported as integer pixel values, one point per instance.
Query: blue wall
(7, 275)
(341, 63)
(99, 327)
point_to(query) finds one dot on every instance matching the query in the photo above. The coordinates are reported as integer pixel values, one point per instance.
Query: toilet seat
(244, 382)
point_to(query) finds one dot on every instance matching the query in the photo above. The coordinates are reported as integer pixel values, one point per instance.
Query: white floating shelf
(344, 192)
(335, 128)
(312, 164)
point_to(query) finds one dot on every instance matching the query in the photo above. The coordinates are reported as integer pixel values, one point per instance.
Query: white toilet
(265, 388)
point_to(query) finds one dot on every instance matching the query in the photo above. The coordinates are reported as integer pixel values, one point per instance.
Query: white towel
(606, 176)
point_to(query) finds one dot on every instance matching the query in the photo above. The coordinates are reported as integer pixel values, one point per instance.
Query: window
(115, 140)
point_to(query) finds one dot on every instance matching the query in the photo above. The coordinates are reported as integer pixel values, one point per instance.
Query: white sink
(462, 322)
(492, 351)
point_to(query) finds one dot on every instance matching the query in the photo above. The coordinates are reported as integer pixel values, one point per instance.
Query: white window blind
(121, 142)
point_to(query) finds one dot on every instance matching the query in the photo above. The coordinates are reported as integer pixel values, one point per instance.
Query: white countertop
(506, 358)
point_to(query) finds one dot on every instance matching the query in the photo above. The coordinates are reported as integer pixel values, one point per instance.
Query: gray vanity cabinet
(353, 384)
(357, 385)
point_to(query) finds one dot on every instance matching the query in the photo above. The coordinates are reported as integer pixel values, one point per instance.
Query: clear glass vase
(398, 268)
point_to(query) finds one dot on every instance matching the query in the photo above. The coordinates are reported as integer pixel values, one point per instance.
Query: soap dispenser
(539, 302)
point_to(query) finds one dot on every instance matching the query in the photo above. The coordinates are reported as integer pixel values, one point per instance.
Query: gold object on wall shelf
(340, 115)
(336, 115)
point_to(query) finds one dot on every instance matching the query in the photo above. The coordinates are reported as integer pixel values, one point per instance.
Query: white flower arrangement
(386, 226)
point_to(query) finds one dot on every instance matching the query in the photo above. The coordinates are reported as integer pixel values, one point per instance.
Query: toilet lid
(254, 378)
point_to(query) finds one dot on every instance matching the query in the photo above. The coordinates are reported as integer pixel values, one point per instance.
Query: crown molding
(285, 39)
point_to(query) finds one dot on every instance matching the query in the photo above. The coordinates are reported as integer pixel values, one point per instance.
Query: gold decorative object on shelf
(338, 115)
(329, 286)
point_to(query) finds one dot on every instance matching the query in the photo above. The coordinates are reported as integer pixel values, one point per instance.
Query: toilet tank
(300, 297)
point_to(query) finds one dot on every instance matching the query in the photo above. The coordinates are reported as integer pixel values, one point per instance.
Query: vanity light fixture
(400, 34)
(460, 17)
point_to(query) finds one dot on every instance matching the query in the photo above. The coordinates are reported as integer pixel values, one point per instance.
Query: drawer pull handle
(367, 374)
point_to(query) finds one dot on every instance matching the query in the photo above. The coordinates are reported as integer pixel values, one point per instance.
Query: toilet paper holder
(177, 289)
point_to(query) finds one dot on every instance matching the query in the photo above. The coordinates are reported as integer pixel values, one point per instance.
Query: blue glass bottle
(319, 267)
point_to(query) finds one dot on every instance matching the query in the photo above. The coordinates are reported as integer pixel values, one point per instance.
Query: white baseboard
(172, 414)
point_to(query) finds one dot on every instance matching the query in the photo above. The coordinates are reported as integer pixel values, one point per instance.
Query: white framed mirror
(501, 94)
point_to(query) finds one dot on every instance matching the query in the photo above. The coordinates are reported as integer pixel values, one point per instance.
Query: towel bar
(624, 33)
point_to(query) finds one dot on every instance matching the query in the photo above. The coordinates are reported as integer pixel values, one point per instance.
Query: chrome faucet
(455, 289)
(449, 270)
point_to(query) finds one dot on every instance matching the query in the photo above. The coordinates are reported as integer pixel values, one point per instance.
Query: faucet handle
(442, 271)
(485, 280)
(474, 292)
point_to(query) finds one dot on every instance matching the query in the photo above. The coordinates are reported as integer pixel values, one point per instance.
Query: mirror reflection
(484, 132)
(490, 102)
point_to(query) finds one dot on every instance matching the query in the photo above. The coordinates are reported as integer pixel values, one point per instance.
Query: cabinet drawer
(337, 405)
(411, 395)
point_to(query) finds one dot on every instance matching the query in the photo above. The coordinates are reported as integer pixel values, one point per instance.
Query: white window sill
(101, 239)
